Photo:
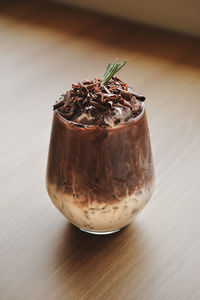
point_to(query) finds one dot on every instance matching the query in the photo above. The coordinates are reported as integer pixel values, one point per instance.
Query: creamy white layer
(96, 216)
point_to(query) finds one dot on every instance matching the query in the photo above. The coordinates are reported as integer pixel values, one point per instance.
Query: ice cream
(100, 171)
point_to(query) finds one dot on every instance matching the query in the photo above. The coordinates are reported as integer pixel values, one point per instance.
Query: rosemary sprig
(111, 70)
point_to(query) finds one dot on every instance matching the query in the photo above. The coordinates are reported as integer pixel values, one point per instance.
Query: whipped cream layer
(90, 102)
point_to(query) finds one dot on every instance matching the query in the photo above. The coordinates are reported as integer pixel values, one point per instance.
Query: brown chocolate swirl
(100, 164)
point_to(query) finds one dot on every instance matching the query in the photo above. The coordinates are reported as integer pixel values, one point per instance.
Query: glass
(100, 178)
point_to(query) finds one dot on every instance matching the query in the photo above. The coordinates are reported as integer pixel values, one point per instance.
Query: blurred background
(45, 46)
(179, 15)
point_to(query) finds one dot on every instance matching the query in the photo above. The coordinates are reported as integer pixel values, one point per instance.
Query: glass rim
(83, 126)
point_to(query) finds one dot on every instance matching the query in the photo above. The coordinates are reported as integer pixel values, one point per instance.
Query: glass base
(100, 232)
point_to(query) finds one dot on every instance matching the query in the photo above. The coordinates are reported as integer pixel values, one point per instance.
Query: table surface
(44, 47)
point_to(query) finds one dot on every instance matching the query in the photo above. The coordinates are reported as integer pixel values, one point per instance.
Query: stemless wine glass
(100, 178)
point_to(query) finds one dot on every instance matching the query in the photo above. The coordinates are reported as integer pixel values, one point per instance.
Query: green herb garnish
(111, 70)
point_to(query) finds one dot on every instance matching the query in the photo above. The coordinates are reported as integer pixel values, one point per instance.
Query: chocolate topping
(91, 103)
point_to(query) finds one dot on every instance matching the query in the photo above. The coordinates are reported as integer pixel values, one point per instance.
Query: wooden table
(44, 48)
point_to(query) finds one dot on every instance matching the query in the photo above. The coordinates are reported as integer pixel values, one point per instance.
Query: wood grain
(45, 47)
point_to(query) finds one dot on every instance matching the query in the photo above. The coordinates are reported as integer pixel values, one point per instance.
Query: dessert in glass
(100, 171)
